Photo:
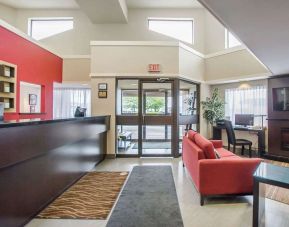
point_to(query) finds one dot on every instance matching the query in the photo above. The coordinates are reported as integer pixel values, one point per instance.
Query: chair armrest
(217, 143)
(230, 176)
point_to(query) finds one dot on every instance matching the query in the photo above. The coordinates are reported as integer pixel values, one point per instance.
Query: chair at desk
(236, 142)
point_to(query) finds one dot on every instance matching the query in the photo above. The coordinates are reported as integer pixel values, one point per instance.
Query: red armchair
(227, 175)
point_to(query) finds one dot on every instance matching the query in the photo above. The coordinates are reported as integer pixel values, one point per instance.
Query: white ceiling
(163, 4)
(71, 4)
(262, 25)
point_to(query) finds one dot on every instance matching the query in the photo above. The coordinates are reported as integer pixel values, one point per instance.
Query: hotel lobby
(125, 113)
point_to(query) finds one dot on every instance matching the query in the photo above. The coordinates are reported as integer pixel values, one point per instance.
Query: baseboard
(275, 158)
(110, 156)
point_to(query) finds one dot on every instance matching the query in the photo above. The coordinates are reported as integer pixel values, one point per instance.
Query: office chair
(236, 142)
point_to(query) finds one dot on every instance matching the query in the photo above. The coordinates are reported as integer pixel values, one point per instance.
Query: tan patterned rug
(92, 197)
(277, 193)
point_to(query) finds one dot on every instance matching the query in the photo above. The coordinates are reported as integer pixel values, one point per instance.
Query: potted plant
(213, 108)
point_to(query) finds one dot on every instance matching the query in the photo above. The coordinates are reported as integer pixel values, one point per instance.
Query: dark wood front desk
(41, 159)
(217, 134)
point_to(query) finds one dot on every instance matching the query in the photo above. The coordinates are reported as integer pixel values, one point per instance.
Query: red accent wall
(34, 65)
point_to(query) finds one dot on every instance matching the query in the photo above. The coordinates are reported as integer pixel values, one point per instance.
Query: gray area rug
(148, 199)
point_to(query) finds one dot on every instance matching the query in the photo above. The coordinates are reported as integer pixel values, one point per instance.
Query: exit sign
(154, 68)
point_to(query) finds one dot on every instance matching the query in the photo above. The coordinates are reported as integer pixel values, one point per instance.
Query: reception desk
(41, 159)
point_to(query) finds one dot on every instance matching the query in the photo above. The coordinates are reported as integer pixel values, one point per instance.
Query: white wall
(214, 34)
(191, 65)
(76, 41)
(25, 90)
(239, 64)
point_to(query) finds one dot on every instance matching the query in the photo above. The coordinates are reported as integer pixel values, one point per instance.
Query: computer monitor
(244, 119)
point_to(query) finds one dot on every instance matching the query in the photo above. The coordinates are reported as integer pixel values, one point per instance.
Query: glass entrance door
(156, 117)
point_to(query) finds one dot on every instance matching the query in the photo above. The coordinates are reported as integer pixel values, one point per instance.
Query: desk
(41, 159)
(217, 135)
(266, 174)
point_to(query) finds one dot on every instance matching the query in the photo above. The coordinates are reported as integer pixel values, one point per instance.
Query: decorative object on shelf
(8, 86)
(7, 71)
(214, 107)
(32, 99)
(102, 86)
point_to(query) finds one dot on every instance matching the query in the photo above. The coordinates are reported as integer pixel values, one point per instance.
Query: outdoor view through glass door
(156, 118)
(153, 114)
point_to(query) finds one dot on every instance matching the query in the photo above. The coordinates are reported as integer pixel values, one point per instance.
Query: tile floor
(229, 212)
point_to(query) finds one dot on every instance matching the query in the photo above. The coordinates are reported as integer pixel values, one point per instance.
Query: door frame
(136, 121)
(158, 118)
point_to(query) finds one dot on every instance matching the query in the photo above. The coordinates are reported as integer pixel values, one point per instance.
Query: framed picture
(32, 99)
(102, 94)
(102, 86)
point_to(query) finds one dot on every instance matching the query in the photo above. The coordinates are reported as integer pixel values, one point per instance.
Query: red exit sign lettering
(154, 68)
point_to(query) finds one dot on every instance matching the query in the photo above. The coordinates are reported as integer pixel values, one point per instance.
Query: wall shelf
(8, 86)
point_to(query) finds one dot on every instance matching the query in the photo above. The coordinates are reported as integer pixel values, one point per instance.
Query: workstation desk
(217, 135)
(42, 158)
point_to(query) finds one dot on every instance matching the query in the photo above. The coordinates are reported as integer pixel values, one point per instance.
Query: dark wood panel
(46, 170)
(127, 120)
(157, 120)
(276, 120)
(24, 142)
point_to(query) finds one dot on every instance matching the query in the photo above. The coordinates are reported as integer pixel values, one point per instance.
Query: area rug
(277, 193)
(148, 199)
(92, 197)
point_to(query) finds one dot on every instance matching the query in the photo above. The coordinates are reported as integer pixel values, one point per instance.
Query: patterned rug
(92, 197)
(277, 193)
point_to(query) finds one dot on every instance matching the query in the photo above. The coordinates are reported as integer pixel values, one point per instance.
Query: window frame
(227, 40)
(32, 19)
(263, 106)
(174, 19)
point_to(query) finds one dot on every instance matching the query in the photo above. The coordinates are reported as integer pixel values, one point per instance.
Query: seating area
(144, 113)
(215, 170)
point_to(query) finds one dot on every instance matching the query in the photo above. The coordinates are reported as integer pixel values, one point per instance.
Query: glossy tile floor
(222, 212)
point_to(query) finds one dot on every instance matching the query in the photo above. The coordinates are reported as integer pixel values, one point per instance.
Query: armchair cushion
(191, 135)
(206, 146)
(224, 153)
(217, 143)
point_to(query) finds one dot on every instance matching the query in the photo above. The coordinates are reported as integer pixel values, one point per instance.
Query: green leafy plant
(214, 107)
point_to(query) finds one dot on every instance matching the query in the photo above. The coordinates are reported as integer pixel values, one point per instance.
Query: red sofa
(227, 174)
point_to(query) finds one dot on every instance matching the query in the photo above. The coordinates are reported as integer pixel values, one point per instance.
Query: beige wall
(133, 59)
(106, 106)
(8, 14)
(76, 70)
(76, 41)
(205, 127)
(235, 65)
